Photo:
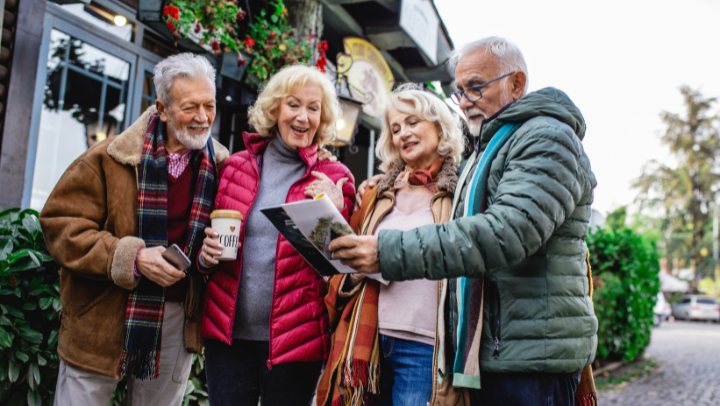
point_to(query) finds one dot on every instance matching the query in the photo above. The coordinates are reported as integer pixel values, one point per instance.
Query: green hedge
(29, 309)
(625, 272)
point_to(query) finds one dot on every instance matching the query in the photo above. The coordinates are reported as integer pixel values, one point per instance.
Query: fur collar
(447, 178)
(127, 147)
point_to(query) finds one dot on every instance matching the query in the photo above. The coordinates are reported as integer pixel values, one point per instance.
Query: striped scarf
(352, 373)
(140, 358)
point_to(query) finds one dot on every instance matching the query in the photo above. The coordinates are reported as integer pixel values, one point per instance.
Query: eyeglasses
(474, 93)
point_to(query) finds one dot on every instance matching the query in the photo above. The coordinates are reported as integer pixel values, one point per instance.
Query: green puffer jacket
(529, 244)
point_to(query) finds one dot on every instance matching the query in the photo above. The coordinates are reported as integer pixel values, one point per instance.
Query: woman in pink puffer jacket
(265, 326)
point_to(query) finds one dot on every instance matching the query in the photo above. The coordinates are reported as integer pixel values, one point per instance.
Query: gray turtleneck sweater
(282, 166)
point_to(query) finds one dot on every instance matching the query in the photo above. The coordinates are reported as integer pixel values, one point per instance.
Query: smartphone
(176, 257)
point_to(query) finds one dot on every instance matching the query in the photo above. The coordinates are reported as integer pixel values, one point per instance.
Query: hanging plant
(211, 23)
(272, 43)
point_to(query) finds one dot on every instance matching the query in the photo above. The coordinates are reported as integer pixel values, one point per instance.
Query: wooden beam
(389, 38)
(392, 5)
(340, 22)
(441, 73)
(397, 69)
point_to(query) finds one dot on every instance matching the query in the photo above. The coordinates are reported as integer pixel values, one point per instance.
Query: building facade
(74, 73)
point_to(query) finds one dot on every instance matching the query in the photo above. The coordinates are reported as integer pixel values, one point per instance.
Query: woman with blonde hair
(265, 326)
(385, 336)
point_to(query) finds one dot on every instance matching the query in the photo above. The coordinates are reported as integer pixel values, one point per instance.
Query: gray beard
(189, 141)
(474, 126)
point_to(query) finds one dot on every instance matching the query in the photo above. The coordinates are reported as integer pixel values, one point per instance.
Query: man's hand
(361, 190)
(359, 252)
(153, 266)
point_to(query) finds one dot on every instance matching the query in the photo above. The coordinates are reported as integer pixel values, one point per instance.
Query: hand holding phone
(176, 257)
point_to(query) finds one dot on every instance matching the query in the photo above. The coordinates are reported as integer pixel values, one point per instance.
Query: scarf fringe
(139, 364)
(587, 399)
(361, 374)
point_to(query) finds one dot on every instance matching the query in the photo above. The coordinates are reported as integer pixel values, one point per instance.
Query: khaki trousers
(78, 387)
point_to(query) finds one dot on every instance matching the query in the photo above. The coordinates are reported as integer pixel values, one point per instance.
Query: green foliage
(625, 273)
(616, 219)
(684, 193)
(29, 308)
(272, 42)
(29, 322)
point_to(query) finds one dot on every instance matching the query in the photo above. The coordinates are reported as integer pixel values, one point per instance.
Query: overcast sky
(621, 62)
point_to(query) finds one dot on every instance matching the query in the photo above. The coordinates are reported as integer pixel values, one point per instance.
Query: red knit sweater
(181, 191)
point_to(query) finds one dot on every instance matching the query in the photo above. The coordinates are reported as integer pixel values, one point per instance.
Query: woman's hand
(325, 155)
(359, 252)
(325, 185)
(211, 247)
(361, 190)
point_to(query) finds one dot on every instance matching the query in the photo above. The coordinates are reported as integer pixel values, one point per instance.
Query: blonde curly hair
(263, 114)
(411, 99)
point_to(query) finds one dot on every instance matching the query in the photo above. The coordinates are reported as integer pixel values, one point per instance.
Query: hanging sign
(420, 21)
(369, 78)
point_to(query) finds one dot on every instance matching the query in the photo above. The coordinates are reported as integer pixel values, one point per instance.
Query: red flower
(267, 49)
(322, 46)
(197, 27)
(321, 62)
(249, 42)
(240, 15)
(172, 11)
(241, 61)
(171, 25)
(215, 46)
(272, 34)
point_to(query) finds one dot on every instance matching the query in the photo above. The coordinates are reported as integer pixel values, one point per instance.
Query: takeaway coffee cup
(227, 224)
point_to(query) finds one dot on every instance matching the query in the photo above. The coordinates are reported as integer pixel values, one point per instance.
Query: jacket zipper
(272, 305)
(496, 320)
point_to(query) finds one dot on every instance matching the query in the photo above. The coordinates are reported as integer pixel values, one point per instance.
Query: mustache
(473, 111)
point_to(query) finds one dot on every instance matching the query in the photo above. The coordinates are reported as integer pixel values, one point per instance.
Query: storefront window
(110, 22)
(85, 101)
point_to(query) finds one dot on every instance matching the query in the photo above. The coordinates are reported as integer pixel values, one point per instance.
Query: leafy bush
(625, 273)
(29, 323)
(29, 307)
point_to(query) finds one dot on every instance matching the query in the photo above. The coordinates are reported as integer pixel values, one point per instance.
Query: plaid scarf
(140, 358)
(352, 373)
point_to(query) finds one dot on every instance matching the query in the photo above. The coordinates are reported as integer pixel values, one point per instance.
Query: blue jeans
(528, 389)
(237, 375)
(405, 372)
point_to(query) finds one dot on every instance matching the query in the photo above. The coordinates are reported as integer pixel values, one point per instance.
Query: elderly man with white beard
(117, 208)
(517, 325)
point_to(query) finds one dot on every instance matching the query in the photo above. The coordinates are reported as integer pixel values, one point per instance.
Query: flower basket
(230, 67)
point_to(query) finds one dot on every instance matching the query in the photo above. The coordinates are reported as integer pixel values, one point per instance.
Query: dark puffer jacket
(529, 244)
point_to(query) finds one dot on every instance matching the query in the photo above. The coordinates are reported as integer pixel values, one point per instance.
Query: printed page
(310, 226)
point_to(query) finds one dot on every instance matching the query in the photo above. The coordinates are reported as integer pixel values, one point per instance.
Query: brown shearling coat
(90, 222)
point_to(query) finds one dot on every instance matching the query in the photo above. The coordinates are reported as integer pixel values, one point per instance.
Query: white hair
(187, 66)
(411, 99)
(508, 54)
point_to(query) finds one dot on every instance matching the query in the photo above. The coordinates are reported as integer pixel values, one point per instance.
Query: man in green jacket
(525, 250)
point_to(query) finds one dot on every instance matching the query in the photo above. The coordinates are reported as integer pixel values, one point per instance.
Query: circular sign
(369, 78)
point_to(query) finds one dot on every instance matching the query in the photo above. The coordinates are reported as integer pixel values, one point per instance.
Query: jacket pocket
(89, 306)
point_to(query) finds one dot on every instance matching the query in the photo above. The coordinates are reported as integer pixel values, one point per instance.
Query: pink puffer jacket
(299, 329)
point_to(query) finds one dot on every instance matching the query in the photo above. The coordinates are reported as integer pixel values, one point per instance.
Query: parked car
(662, 309)
(694, 307)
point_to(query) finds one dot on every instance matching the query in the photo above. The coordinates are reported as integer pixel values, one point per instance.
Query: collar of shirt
(177, 163)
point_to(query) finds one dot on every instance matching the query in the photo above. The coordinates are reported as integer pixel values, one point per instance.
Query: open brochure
(309, 226)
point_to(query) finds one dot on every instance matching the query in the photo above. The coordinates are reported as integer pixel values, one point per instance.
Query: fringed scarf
(421, 177)
(586, 393)
(140, 358)
(352, 375)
